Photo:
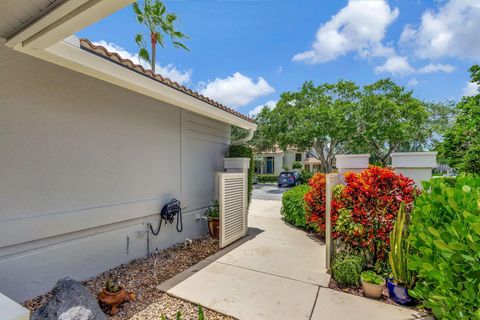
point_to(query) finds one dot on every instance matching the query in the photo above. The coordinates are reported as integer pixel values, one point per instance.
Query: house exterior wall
(84, 166)
(282, 160)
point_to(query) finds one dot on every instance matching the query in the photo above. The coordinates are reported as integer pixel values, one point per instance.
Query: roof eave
(69, 54)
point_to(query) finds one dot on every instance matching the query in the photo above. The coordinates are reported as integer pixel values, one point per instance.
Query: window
(298, 156)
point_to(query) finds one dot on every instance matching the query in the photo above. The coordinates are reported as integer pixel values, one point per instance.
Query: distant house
(312, 164)
(91, 147)
(277, 160)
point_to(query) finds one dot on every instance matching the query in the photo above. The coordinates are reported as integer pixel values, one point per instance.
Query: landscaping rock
(70, 301)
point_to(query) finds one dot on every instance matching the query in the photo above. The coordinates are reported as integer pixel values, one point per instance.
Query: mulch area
(359, 292)
(143, 275)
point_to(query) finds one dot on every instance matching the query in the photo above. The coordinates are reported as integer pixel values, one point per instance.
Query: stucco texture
(84, 165)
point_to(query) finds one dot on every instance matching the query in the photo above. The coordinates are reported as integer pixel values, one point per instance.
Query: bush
(297, 165)
(346, 270)
(306, 175)
(315, 202)
(293, 206)
(243, 151)
(363, 212)
(265, 178)
(445, 235)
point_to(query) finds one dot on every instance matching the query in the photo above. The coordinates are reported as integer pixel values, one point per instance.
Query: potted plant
(403, 278)
(213, 216)
(113, 295)
(372, 284)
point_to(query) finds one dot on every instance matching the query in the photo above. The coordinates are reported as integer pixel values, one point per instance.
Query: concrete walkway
(277, 272)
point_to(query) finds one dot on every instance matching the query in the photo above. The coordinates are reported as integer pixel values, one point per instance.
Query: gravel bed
(143, 275)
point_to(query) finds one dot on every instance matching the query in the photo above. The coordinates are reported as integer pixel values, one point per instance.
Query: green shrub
(371, 277)
(297, 165)
(445, 235)
(265, 178)
(343, 255)
(243, 151)
(293, 206)
(306, 176)
(346, 270)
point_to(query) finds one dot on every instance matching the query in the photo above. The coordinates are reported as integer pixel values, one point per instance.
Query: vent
(232, 198)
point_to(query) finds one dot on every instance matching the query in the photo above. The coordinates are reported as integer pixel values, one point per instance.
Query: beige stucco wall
(84, 165)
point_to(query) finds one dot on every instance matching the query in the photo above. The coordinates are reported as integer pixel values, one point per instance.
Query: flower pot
(372, 290)
(399, 294)
(214, 227)
(114, 299)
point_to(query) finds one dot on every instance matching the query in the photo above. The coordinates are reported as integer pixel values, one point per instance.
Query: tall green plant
(160, 24)
(445, 236)
(399, 249)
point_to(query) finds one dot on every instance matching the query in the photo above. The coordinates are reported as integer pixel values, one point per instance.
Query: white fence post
(331, 182)
(351, 162)
(415, 165)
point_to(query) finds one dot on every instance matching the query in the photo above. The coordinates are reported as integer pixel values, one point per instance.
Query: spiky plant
(399, 248)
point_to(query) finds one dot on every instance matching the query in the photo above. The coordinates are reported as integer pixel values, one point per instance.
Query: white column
(351, 162)
(415, 165)
(236, 164)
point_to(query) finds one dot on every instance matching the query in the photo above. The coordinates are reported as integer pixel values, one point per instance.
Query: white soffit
(66, 19)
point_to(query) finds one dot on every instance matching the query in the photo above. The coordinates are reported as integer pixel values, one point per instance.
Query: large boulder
(70, 301)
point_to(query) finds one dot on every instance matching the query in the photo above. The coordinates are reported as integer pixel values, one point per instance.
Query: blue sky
(246, 53)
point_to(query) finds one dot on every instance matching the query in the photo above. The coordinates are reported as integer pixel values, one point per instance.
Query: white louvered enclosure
(232, 199)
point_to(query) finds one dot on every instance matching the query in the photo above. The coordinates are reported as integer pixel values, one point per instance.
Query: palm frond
(139, 40)
(143, 55)
(177, 45)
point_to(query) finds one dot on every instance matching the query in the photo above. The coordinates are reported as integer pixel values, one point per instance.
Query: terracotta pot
(372, 290)
(214, 227)
(114, 299)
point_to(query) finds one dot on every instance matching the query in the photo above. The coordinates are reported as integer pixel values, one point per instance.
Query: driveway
(276, 272)
(267, 191)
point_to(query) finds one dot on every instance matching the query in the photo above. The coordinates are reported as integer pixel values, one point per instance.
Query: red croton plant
(315, 202)
(364, 210)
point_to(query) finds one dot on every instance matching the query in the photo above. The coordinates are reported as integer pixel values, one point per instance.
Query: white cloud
(452, 30)
(435, 67)
(413, 82)
(169, 71)
(357, 27)
(269, 104)
(396, 65)
(399, 66)
(471, 89)
(236, 90)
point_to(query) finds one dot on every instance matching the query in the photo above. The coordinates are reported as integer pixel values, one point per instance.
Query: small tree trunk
(153, 40)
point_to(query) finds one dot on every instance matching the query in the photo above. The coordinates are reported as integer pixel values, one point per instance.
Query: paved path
(267, 191)
(277, 272)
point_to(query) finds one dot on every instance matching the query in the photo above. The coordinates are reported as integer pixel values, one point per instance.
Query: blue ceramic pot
(399, 294)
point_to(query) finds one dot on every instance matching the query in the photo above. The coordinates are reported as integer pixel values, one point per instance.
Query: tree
(317, 119)
(390, 119)
(160, 24)
(461, 146)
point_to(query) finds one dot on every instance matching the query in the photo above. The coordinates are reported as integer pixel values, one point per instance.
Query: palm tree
(160, 24)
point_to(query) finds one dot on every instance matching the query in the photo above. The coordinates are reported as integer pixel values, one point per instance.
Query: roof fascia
(69, 54)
